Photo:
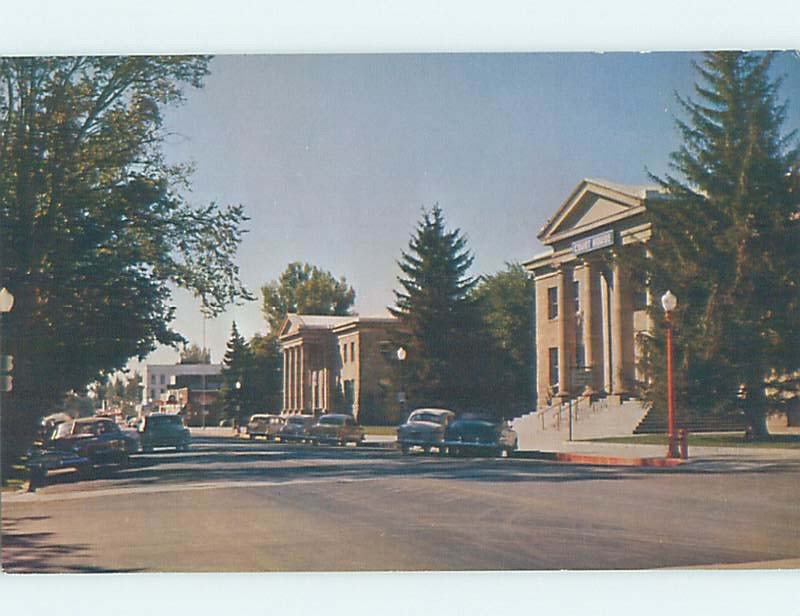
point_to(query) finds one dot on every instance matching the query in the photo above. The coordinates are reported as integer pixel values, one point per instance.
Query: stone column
(588, 321)
(617, 331)
(291, 378)
(564, 314)
(302, 377)
(285, 380)
(604, 350)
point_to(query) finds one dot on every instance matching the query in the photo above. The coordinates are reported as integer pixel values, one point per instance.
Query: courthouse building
(337, 364)
(589, 315)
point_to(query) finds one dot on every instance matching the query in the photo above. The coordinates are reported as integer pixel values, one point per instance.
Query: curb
(599, 460)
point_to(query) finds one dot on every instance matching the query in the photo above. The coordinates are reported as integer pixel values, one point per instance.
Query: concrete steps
(549, 428)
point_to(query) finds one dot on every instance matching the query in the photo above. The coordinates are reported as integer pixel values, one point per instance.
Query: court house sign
(595, 242)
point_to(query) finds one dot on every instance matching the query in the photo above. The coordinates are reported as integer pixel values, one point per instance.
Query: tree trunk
(756, 409)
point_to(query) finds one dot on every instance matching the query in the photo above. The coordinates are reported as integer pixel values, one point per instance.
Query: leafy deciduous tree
(305, 289)
(93, 228)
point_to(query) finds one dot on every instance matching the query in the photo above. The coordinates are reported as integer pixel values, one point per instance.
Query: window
(153, 392)
(552, 302)
(553, 353)
(162, 379)
(576, 295)
(153, 379)
(352, 351)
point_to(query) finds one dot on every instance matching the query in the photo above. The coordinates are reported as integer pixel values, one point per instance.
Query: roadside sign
(6, 383)
(401, 396)
(6, 363)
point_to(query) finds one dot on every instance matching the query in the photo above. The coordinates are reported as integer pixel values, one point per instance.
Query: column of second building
(564, 314)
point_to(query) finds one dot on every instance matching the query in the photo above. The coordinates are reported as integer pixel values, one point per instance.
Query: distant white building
(157, 378)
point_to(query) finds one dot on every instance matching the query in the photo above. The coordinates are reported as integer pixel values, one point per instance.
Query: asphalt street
(234, 505)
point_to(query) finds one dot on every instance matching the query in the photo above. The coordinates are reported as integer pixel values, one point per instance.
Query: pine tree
(236, 368)
(725, 241)
(439, 319)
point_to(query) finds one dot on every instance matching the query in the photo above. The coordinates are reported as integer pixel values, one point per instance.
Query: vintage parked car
(133, 442)
(164, 430)
(265, 425)
(336, 429)
(296, 429)
(424, 428)
(81, 445)
(479, 435)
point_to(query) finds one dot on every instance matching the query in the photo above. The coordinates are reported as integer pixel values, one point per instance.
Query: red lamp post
(669, 302)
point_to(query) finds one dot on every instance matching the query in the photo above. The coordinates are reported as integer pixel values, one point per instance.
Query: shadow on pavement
(36, 552)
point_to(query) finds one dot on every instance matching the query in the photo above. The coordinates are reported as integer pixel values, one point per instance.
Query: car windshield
(87, 428)
(300, 421)
(64, 429)
(431, 417)
(162, 420)
(258, 418)
(332, 421)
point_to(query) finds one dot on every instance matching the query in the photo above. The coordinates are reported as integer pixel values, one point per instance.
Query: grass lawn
(380, 430)
(735, 439)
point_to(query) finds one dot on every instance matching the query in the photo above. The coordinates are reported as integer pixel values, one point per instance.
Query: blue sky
(333, 156)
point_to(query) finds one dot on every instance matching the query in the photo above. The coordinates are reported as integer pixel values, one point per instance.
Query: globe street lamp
(401, 395)
(669, 302)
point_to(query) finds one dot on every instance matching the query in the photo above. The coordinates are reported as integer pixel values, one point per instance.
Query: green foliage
(725, 242)
(440, 322)
(264, 383)
(305, 289)
(506, 304)
(236, 366)
(93, 228)
(193, 354)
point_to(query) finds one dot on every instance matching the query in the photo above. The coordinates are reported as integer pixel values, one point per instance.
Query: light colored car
(335, 429)
(296, 429)
(264, 424)
(424, 428)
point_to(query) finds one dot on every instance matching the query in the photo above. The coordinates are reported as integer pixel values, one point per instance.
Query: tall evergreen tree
(236, 368)
(725, 241)
(439, 319)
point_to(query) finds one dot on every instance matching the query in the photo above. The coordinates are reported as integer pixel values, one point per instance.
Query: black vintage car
(164, 430)
(80, 445)
(479, 436)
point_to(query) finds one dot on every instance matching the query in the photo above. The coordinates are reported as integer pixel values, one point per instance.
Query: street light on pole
(401, 395)
(669, 302)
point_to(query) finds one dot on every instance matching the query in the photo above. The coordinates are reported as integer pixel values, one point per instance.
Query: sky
(334, 156)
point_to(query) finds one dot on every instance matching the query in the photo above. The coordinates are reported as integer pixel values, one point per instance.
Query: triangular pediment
(592, 204)
(291, 325)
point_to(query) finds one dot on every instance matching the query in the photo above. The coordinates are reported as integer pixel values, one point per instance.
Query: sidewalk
(629, 453)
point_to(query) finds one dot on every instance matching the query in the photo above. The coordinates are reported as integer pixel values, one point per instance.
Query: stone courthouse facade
(337, 364)
(588, 313)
